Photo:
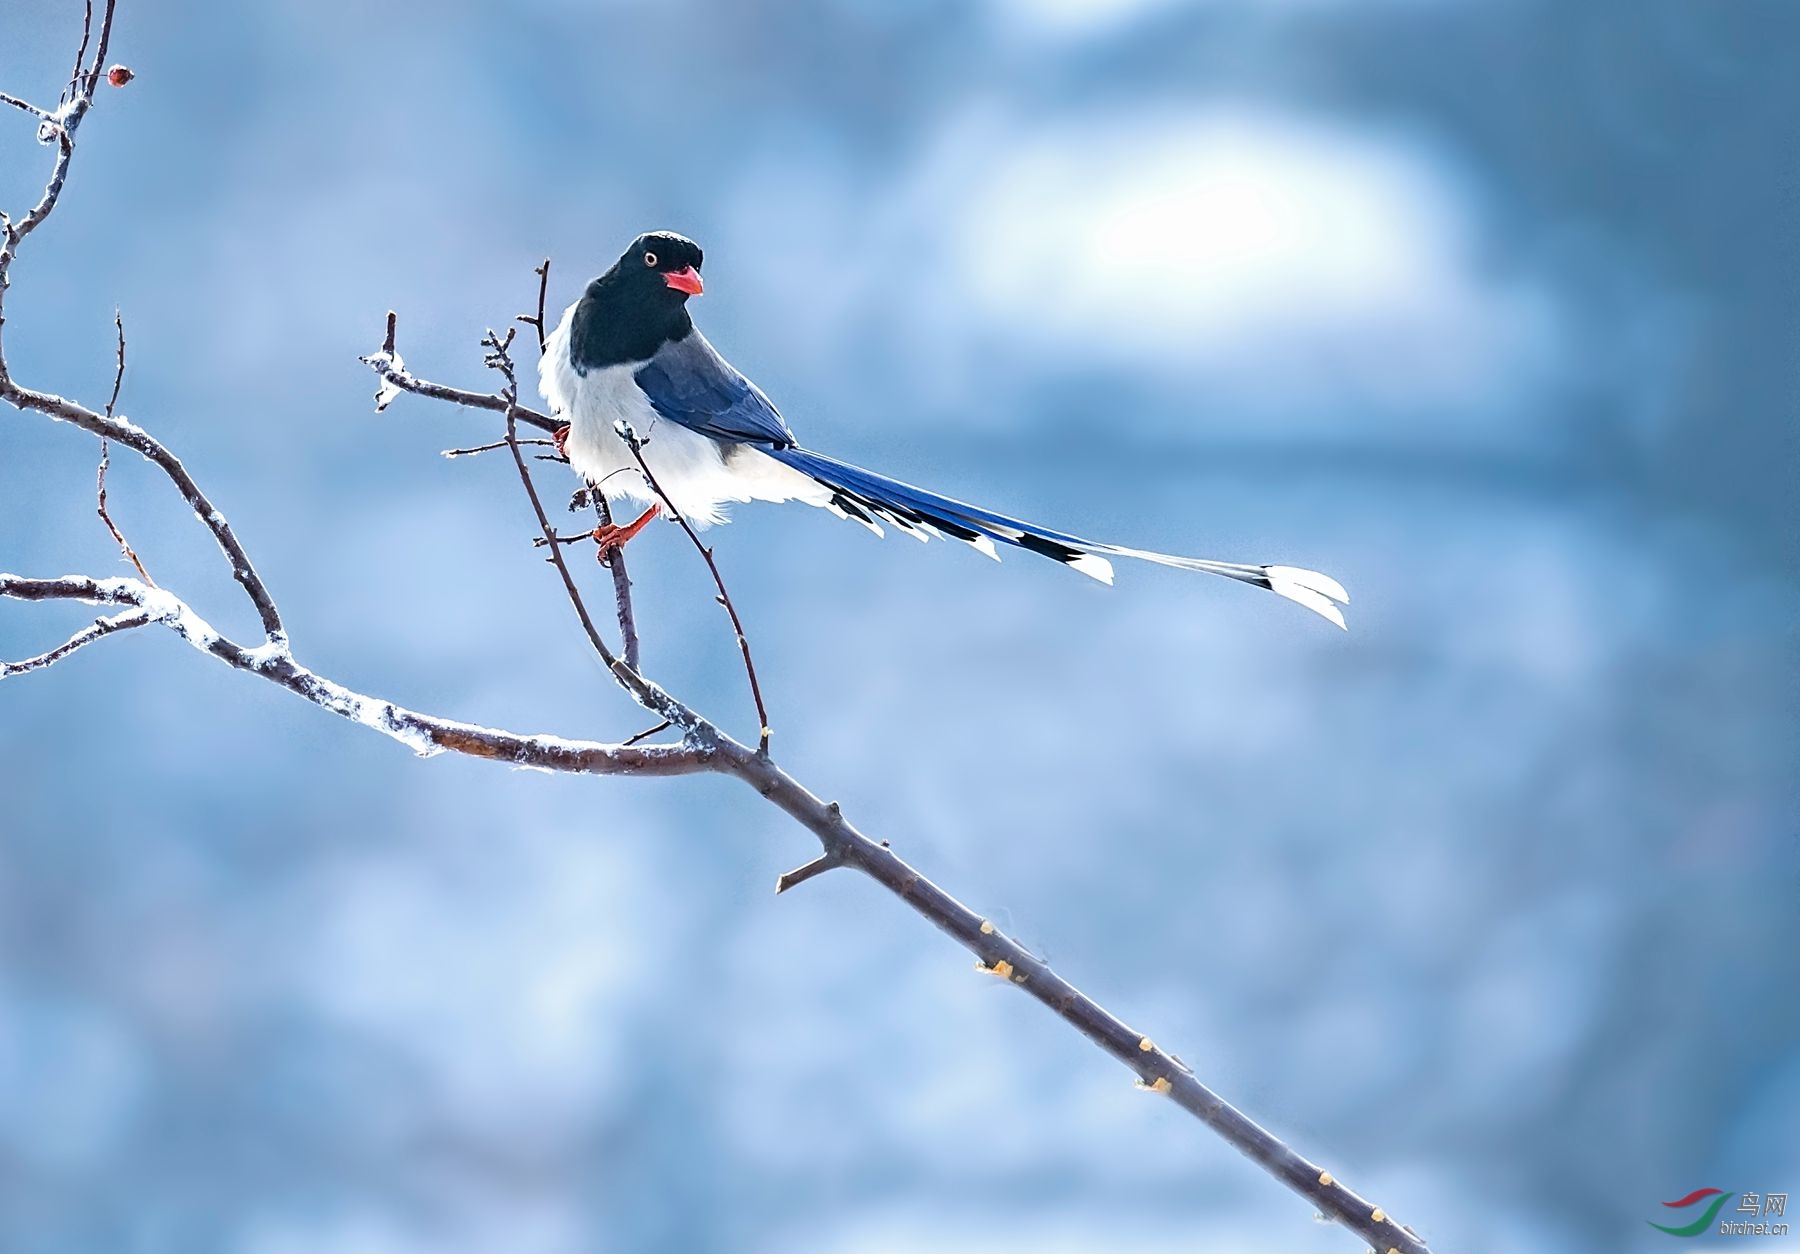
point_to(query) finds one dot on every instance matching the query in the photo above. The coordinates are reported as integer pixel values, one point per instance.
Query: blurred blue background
(1485, 307)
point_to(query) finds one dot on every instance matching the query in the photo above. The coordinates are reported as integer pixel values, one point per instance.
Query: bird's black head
(638, 305)
(664, 260)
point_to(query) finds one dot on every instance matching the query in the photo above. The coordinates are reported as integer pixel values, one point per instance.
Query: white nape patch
(1093, 567)
(1309, 588)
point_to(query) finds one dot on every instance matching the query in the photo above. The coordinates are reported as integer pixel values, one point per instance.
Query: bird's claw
(608, 540)
(610, 537)
(560, 437)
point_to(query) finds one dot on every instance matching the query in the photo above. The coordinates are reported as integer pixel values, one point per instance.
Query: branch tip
(817, 867)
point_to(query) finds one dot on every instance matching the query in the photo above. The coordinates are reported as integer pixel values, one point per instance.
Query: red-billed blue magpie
(626, 359)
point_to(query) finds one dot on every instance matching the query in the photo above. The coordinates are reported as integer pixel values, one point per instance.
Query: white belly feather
(699, 474)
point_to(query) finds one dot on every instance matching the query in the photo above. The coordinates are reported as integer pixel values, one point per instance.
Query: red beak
(686, 279)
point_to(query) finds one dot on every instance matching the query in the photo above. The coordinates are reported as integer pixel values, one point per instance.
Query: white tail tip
(1309, 588)
(1094, 568)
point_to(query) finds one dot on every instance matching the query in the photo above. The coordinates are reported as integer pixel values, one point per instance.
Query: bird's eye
(650, 260)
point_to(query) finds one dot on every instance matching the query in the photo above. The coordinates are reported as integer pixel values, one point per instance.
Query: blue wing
(689, 383)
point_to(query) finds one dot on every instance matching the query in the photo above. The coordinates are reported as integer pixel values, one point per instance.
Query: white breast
(699, 474)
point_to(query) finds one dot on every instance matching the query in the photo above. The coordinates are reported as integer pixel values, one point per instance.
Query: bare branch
(425, 734)
(99, 629)
(396, 378)
(112, 402)
(106, 27)
(60, 129)
(123, 431)
(615, 562)
(536, 321)
(125, 548)
(15, 102)
(491, 447)
(87, 31)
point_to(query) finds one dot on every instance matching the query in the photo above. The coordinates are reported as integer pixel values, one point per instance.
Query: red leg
(561, 438)
(613, 538)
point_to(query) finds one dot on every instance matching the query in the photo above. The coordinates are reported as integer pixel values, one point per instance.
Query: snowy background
(1483, 306)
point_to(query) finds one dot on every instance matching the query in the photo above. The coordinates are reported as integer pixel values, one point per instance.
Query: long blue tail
(873, 499)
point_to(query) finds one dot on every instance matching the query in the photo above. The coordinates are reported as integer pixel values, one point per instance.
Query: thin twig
(818, 866)
(636, 444)
(425, 734)
(580, 537)
(100, 49)
(87, 29)
(27, 106)
(393, 372)
(536, 321)
(491, 447)
(112, 402)
(99, 629)
(615, 562)
(106, 460)
(116, 428)
(646, 733)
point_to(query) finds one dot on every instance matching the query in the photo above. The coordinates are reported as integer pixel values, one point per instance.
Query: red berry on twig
(119, 75)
